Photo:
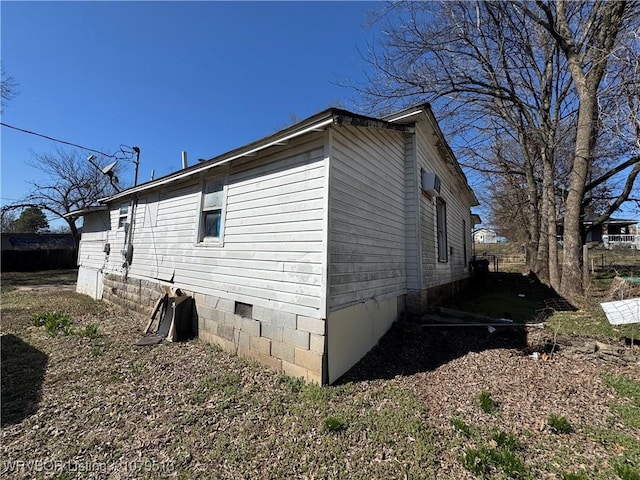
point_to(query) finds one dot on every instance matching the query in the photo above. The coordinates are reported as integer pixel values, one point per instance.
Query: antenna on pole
(108, 171)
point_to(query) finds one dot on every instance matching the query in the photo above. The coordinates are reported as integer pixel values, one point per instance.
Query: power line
(56, 140)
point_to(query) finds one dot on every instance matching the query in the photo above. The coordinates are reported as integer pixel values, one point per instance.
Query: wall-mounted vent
(431, 183)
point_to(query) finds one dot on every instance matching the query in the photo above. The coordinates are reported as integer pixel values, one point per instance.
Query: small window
(123, 215)
(212, 207)
(441, 225)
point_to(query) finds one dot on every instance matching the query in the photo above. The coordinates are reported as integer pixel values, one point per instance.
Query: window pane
(441, 226)
(213, 194)
(124, 209)
(212, 224)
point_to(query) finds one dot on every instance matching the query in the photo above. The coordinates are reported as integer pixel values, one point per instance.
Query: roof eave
(83, 211)
(409, 115)
(317, 122)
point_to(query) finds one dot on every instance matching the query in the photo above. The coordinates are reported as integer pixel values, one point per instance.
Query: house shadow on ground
(23, 370)
(422, 344)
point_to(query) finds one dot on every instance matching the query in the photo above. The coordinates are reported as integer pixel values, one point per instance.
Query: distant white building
(485, 235)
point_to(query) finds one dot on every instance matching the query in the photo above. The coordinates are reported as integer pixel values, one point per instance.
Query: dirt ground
(212, 415)
(531, 373)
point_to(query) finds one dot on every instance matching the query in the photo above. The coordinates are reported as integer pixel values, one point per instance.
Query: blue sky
(204, 77)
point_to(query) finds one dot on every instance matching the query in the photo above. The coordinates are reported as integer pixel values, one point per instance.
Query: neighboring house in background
(485, 235)
(30, 252)
(613, 233)
(300, 249)
(620, 233)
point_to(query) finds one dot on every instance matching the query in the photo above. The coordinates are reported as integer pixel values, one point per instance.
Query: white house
(485, 235)
(300, 249)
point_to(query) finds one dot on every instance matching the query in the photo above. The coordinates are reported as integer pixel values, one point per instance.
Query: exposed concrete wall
(417, 301)
(136, 295)
(355, 330)
(286, 342)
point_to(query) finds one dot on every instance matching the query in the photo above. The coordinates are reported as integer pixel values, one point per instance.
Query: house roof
(409, 115)
(85, 211)
(317, 122)
(612, 221)
(402, 121)
(590, 219)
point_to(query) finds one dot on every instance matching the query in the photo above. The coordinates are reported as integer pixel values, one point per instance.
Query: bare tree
(496, 81)
(71, 183)
(7, 88)
(588, 34)
(8, 220)
(499, 73)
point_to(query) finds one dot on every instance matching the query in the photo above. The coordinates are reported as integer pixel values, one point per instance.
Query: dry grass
(95, 406)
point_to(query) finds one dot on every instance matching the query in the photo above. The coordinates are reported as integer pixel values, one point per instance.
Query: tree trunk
(74, 231)
(550, 213)
(534, 220)
(571, 284)
(543, 245)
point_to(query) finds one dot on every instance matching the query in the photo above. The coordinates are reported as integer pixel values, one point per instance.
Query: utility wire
(56, 140)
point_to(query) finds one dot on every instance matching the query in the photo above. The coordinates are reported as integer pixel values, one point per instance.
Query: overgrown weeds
(487, 404)
(334, 424)
(627, 471)
(489, 460)
(60, 323)
(54, 322)
(461, 426)
(559, 424)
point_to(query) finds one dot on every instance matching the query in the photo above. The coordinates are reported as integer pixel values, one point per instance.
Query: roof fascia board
(315, 123)
(225, 158)
(407, 113)
(84, 211)
(425, 108)
(436, 128)
(354, 120)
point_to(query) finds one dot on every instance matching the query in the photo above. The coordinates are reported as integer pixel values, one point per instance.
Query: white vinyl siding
(412, 214)
(273, 232)
(436, 272)
(91, 253)
(367, 217)
(94, 237)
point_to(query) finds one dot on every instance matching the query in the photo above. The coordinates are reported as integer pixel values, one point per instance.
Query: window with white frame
(123, 215)
(211, 217)
(441, 225)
